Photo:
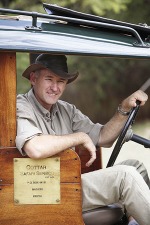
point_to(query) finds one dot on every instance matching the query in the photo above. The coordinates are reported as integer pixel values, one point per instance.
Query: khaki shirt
(64, 118)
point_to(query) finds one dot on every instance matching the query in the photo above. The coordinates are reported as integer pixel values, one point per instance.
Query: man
(47, 126)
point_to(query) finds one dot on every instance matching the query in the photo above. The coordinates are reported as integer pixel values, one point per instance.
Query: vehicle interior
(36, 33)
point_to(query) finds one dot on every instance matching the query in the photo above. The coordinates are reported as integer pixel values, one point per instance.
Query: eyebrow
(50, 76)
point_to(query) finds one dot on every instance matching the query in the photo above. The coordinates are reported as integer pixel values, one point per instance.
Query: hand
(88, 144)
(130, 102)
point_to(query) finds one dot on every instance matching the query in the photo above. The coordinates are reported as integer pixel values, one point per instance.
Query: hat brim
(62, 74)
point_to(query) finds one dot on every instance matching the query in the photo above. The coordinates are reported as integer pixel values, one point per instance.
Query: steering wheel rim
(121, 137)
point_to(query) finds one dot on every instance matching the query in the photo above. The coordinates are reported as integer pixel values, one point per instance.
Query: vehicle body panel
(59, 36)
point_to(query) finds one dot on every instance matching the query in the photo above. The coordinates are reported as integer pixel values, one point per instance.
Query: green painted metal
(60, 37)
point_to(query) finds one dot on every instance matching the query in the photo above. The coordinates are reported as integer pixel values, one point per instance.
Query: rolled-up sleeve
(26, 125)
(84, 124)
(25, 131)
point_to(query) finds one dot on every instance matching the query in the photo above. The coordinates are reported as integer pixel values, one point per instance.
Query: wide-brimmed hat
(56, 63)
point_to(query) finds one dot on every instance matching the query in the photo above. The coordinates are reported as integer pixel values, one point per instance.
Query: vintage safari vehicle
(59, 201)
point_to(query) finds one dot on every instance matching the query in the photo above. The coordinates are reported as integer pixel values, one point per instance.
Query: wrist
(80, 137)
(122, 111)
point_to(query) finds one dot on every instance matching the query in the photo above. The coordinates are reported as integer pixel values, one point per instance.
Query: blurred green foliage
(103, 82)
(22, 63)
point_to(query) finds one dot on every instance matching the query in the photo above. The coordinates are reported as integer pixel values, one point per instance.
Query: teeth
(52, 94)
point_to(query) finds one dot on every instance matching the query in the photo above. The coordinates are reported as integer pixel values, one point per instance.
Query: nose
(54, 86)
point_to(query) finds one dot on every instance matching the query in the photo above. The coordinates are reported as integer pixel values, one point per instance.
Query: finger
(92, 159)
(140, 96)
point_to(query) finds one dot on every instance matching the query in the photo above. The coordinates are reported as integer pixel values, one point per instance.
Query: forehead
(46, 73)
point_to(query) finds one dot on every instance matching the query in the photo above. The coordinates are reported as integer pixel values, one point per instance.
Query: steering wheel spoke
(122, 136)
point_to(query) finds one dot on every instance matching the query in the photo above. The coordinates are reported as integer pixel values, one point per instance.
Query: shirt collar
(41, 110)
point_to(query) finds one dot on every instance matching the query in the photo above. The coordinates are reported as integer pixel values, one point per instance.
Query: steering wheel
(122, 135)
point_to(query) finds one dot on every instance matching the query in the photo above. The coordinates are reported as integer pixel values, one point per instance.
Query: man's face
(48, 87)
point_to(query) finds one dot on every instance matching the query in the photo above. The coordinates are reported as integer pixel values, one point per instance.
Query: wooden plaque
(37, 181)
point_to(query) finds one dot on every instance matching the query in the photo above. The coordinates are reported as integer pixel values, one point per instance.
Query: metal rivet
(56, 159)
(16, 201)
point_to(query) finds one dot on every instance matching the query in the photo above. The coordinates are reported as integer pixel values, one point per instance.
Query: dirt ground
(132, 150)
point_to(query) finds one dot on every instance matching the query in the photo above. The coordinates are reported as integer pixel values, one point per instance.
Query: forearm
(47, 145)
(112, 129)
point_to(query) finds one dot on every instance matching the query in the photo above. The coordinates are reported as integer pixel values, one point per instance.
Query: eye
(48, 78)
(62, 81)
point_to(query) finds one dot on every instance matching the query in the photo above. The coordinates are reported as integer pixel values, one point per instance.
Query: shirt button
(47, 115)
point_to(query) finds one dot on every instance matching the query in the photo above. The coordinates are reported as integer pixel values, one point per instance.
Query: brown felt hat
(56, 63)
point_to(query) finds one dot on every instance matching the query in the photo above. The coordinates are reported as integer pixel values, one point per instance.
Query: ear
(32, 78)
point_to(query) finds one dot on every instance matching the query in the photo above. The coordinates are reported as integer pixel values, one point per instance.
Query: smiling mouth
(52, 94)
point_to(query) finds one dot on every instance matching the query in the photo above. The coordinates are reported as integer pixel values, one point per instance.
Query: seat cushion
(108, 215)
